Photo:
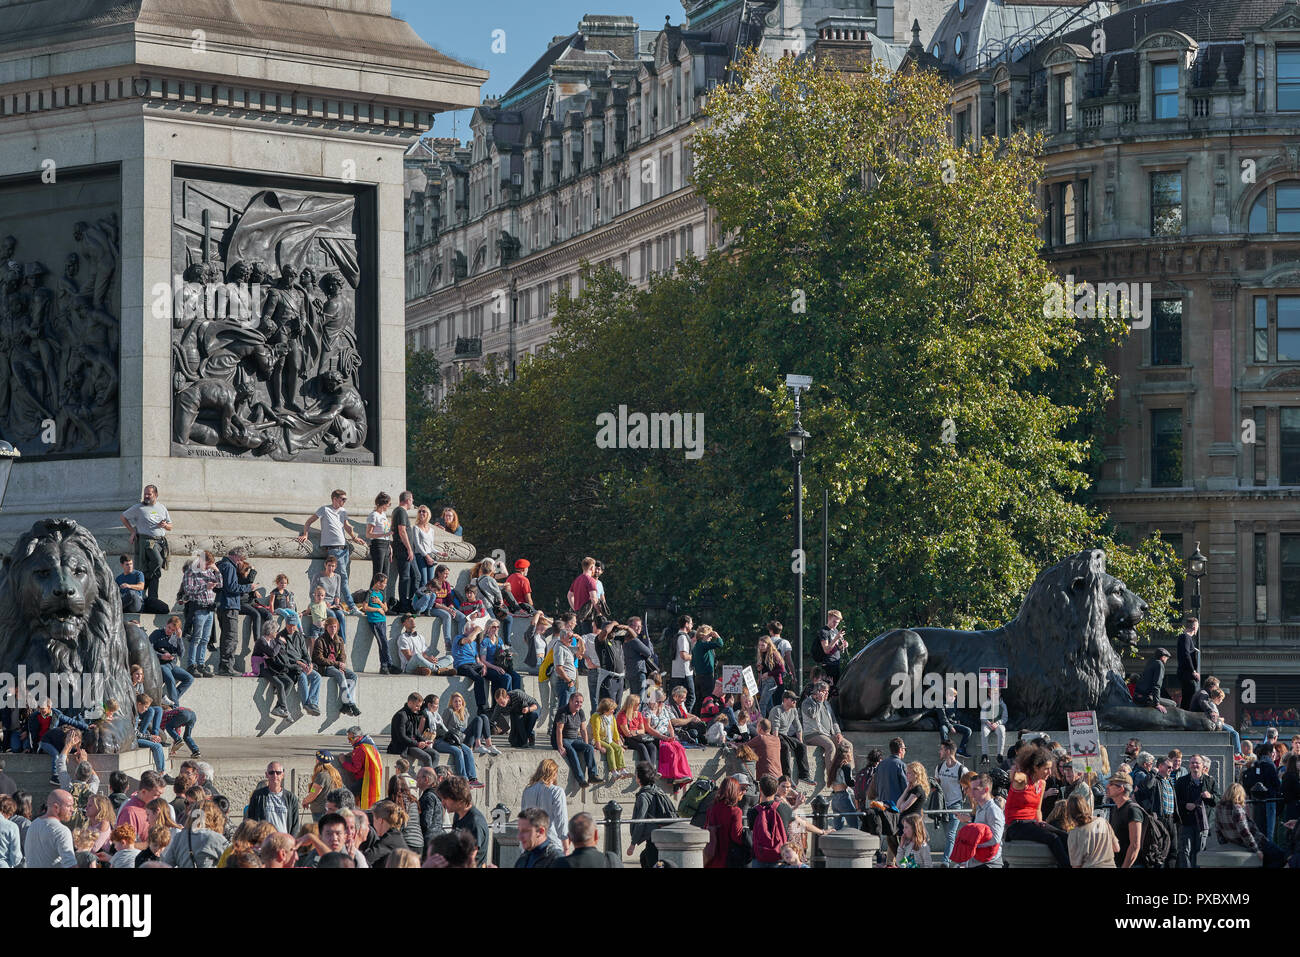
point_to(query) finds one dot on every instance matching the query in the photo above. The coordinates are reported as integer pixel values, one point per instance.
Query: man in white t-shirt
(412, 648)
(683, 672)
(335, 533)
(948, 773)
(149, 522)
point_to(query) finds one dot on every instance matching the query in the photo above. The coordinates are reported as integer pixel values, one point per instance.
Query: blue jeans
(344, 555)
(46, 748)
(1236, 738)
(950, 826)
(202, 619)
(452, 623)
(423, 570)
(159, 753)
(510, 680)
(473, 672)
(150, 720)
(176, 679)
(184, 719)
(308, 689)
(477, 730)
(562, 692)
(380, 630)
(342, 619)
(1191, 841)
(462, 758)
(577, 752)
(347, 684)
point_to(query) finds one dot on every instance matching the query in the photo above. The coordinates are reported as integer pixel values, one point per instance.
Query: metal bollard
(500, 820)
(613, 829)
(819, 807)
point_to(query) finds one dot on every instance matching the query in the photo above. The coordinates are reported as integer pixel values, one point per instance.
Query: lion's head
(1069, 615)
(1124, 611)
(60, 610)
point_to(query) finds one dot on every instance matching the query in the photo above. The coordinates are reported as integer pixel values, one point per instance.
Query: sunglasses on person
(275, 772)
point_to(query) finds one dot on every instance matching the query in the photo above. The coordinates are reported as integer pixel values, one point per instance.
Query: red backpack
(769, 833)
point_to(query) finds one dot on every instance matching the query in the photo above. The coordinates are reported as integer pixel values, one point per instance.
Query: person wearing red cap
(518, 583)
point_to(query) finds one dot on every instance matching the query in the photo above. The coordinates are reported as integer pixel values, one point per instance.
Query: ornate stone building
(1173, 159)
(587, 158)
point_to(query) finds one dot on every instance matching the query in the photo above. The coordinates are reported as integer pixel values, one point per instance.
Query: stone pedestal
(849, 848)
(1018, 854)
(237, 143)
(682, 845)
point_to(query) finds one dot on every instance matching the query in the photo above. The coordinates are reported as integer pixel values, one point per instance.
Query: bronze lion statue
(1057, 652)
(61, 616)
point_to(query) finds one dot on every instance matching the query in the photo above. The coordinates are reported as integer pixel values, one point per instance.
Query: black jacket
(257, 808)
(1151, 684)
(393, 840)
(164, 643)
(404, 732)
(1189, 656)
(431, 812)
(544, 856)
(1186, 792)
(589, 857)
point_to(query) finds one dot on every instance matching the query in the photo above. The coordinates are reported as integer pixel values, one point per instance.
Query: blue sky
(464, 30)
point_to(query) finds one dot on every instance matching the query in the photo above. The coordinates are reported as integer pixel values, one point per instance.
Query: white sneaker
(479, 749)
(492, 750)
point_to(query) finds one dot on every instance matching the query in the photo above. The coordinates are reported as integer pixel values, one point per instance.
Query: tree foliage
(902, 275)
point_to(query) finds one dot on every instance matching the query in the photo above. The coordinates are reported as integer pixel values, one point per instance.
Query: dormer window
(958, 45)
(1164, 77)
(961, 7)
(1288, 81)
(937, 51)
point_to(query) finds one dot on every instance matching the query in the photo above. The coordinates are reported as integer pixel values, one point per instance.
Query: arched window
(957, 45)
(1286, 198)
(1258, 222)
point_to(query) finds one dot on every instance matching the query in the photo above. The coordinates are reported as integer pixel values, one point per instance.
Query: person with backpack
(767, 826)
(725, 823)
(652, 805)
(1193, 796)
(1127, 820)
(948, 772)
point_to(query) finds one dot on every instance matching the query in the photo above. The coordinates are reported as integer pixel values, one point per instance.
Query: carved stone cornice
(253, 102)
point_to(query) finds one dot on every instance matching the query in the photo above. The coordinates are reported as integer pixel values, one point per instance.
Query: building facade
(587, 159)
(1172, 152)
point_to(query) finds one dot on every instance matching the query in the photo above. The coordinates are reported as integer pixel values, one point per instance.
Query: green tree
(899, 272)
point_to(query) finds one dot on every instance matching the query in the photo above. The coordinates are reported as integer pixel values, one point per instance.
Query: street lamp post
(1196, 568)
(798, 439)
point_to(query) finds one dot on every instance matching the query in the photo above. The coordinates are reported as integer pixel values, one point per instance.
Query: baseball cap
(521, 563)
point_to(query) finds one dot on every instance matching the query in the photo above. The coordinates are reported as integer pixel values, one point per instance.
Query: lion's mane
(99, 647)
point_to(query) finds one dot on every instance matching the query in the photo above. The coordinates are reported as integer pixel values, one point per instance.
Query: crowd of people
(624, 704)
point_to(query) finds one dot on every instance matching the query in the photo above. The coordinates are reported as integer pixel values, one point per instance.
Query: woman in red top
(632, 727)
(724, 823)
(1024, 810)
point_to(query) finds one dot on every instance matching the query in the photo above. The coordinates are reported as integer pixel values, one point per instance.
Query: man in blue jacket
(229, 597)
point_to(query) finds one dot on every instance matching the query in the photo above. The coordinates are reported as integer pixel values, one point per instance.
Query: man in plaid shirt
(1162, 785)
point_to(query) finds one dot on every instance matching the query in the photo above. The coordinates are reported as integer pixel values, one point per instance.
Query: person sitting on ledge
(270, 647)
(131, 584)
